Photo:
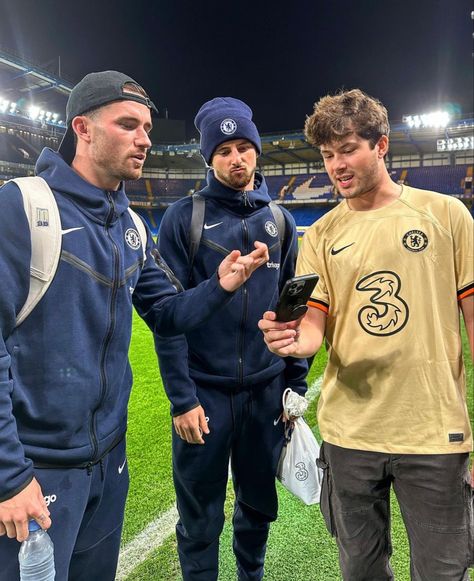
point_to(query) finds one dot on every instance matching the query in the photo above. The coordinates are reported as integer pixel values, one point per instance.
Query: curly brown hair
(336, 116)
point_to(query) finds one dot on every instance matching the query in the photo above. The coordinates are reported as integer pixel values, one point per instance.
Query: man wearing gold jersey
(396, 269)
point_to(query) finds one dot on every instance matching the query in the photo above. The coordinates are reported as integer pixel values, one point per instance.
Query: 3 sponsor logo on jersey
(132, 239)
(415, 240)
(385, 312)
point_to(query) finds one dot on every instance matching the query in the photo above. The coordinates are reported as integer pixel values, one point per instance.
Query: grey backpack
(45, 225)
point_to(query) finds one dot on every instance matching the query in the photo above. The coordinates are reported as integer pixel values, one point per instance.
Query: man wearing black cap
(64, 374)
(225, 389)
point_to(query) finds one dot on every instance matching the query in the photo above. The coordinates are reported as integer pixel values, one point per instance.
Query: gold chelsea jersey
(390, 281)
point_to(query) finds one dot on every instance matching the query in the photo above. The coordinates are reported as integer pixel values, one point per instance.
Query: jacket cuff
(179, 411)
(17, 490)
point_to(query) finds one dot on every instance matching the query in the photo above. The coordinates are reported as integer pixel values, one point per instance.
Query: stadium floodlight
(3, 105)
(455, 144)
(12, 108)
(33, 112)
(434, 120)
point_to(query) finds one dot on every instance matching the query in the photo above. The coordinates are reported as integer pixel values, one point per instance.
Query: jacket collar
(242, 202)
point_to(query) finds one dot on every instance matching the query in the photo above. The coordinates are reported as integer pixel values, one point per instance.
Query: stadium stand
(446, 179)
(294, 170)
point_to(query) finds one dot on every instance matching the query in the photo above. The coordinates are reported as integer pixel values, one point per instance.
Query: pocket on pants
(326, 493)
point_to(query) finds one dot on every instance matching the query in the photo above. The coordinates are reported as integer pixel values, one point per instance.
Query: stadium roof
(21, 79)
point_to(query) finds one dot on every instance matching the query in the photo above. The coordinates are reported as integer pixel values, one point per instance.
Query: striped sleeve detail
(466, 291)
(318, 305)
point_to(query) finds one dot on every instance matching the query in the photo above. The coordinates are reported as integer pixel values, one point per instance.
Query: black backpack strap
(197, 221)
(280, 221)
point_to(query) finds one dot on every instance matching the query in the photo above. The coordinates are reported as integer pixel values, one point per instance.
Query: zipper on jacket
(243, 321)
(245, 199)
(111, 326)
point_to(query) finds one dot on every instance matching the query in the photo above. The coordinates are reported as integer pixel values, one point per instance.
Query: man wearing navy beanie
(224, 386)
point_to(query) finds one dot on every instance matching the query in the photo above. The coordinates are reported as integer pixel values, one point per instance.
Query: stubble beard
(367, 180)
(117, 169)
(237, 182)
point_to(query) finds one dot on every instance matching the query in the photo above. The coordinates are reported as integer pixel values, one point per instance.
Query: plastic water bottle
(36, 555)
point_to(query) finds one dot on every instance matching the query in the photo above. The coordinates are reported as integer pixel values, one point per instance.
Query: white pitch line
(314, 389)
(153, 536)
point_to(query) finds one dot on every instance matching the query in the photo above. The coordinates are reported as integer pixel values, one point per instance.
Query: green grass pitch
(299, 547)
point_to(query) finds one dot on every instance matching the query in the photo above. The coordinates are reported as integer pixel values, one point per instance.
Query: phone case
(294, 296)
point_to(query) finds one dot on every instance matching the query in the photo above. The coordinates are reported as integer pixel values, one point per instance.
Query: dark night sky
(278, 56)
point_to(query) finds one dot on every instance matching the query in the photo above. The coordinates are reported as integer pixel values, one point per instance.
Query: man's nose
(236, 157)
(143, 139)
(339, 162)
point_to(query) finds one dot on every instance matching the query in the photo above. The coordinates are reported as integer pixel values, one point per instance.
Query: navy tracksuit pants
(243, 428)
(86, 509)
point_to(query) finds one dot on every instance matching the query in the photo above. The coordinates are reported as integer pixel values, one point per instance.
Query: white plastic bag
(297, 469)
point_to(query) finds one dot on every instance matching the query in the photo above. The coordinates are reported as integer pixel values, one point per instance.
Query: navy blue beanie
(224, 119)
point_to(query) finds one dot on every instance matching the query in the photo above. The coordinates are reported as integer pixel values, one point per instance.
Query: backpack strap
(140, 226)
(195, 233)
(280, 221)
(45, 226)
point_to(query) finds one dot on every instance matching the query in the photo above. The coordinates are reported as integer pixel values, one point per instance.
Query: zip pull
(245, 198)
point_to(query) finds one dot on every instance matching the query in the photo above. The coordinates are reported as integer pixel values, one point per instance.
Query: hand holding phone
(294, 296)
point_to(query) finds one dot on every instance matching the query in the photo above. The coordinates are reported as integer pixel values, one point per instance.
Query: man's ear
(382, 146)
(81, 127)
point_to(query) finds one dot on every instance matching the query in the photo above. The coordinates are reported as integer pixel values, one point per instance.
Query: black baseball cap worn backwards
(96, 90)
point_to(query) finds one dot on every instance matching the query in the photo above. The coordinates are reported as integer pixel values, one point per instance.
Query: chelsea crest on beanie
(224, 119)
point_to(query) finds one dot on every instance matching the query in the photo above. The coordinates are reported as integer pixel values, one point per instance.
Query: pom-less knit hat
(224, 119)
(96, 90)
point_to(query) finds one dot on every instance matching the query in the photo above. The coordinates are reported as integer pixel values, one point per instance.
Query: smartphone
(294, 296)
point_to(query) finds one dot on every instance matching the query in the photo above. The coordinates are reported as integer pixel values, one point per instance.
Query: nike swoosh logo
(209, 226)
(334, 251)
(275, 422)
(71, 230)
(120, 468)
